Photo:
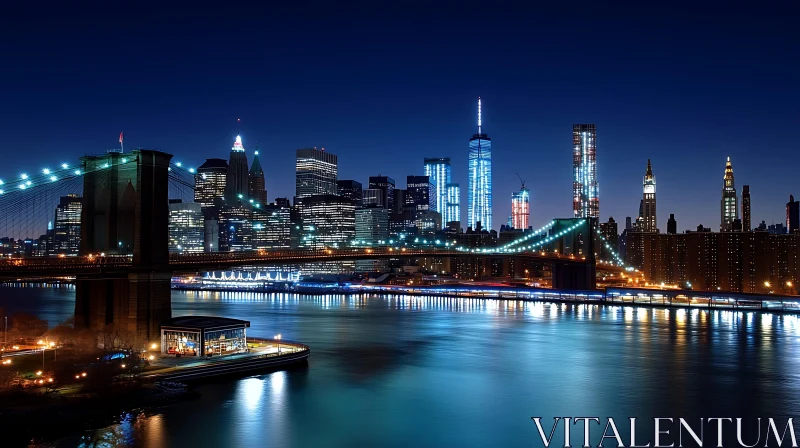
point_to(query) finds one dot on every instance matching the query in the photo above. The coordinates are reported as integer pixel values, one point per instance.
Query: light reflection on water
(397, 370)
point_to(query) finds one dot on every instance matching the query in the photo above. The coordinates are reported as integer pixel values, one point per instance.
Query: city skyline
(238, 150)
(351, 111)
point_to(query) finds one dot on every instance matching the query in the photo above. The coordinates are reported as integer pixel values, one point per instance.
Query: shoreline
(621, 296)
(24, 411)
(778, 304)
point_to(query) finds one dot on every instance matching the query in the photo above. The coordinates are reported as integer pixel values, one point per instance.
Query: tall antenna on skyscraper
(479, 115)
(238, 122)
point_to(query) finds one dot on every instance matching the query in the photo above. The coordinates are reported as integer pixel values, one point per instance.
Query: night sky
(384, 86)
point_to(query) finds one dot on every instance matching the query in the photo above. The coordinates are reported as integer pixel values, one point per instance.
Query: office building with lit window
(585, 192)
(209, 185)
(235, 228)
(754, 262)
(453, 209)
(373, 197)
(420, 193)
(186, 231)
(67, 225)
(520, 208)
(427, 222)
(438, 170)
(272, 227)
(316, 173)
(372, 225)
(328, 221)
(386, 185)
(350, 189)
(479, 196)
(729, 209)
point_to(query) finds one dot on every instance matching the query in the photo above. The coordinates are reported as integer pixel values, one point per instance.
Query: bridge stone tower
(125, 211)
(579, 273)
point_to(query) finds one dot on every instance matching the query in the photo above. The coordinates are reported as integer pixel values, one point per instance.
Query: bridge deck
(120, 265)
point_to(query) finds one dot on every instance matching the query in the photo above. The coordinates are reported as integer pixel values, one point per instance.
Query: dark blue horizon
(384, 86)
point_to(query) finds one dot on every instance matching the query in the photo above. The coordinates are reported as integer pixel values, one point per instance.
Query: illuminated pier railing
(703, 299)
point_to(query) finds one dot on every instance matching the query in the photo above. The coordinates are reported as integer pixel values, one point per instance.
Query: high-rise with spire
(647, 211)
(236, 187)
(479, 196)
(257, 191)
(729, 209)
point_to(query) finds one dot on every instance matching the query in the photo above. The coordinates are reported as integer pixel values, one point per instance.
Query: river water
(402, 371)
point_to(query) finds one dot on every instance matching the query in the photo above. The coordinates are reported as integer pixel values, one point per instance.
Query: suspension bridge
(123, 269)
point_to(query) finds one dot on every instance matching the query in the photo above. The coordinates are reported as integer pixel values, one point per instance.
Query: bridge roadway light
(64, 166)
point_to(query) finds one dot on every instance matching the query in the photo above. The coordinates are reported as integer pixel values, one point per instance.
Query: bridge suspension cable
(613, 253)
(28, 202)
(527, 237)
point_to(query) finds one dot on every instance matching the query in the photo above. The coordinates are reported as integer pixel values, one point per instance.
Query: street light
(278, 338)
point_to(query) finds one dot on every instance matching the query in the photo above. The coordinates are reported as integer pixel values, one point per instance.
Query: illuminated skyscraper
(257, 191)
(67, 229)
(420, 193)
(186, 230)
(350, 189)
(372, 197)
(453, 209)
(386, 185)
(479, 200)
(438, 170)
(316, 173)
(235, 228)
(520, 208)
(209, 184)
(372, 225)
(585, 194)
(746, 222)
(272, 227)
(729, 209)
(328, 221)
(647, 212)
(236, 183)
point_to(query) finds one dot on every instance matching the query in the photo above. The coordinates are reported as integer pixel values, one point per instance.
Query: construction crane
(520, 179)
